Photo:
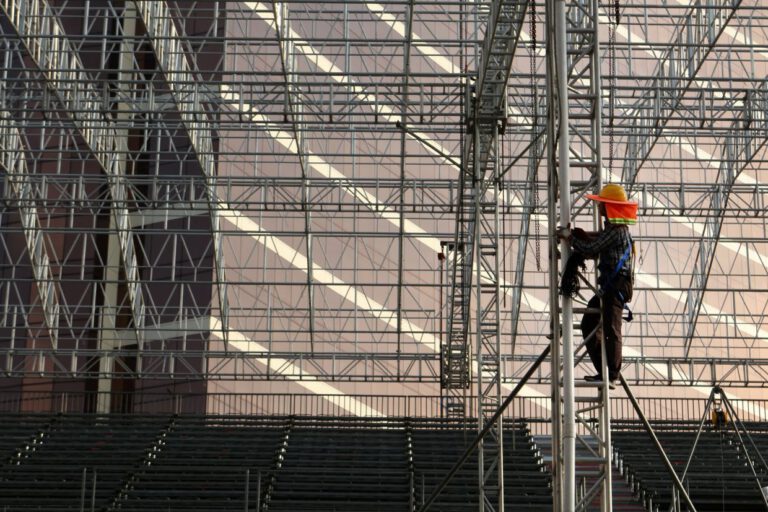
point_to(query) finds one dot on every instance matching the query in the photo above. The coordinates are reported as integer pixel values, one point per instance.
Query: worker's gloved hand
(578, 233)
(563, 232)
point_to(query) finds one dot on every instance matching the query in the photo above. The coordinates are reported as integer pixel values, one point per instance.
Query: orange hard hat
(611, 193)
(618, 209)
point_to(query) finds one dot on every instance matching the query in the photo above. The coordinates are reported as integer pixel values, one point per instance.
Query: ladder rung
(581, 96)
(581, 163)
(585, 384)
(590, 458)
(582, 116)
(582, 311)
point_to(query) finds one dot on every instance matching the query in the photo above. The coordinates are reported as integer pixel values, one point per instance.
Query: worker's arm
(591, 244)
(566, 233)
(586, 236)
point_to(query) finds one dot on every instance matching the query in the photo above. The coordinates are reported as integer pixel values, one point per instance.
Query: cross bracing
(264, 183)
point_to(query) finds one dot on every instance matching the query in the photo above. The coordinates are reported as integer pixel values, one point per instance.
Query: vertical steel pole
(401, 219)
(569, 438)
(497, 317)
(478, 318)
(93, 492)
(258, 491)
(554, 314)
(82, 491)
(411, 492)
(108, 334)
(423, 490)
(247, 483)
(606, 500)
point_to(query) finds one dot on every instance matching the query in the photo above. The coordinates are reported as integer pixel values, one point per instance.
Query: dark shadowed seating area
(718, 478)
(55, 462)
(175, 463)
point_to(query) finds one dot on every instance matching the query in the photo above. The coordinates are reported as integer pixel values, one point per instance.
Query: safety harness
(630, 251)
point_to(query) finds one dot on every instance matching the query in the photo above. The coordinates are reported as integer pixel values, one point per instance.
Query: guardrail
(535, 410)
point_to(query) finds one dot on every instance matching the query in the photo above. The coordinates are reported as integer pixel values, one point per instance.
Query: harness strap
(619, 266)
(622, 261)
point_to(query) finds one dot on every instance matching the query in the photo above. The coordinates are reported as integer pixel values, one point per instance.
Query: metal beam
(246, 364)
(477, 231)
(24, 196)
(295, 113)
(403, 154)
(43, 40)
(696, 37)
(424, 196)
(738, 151)
(575, 168)
(189, 93)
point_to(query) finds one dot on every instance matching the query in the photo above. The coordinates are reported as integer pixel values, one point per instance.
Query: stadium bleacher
(73, 458)
(132, 463)
(314, 464)
(719, 478)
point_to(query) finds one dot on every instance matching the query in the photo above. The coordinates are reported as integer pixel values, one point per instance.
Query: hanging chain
(612, 71)
(535, 134)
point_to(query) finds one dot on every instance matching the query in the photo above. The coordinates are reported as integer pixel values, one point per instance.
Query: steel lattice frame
(260, 191)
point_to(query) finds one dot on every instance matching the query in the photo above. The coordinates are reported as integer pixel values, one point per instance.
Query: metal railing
(535, 410)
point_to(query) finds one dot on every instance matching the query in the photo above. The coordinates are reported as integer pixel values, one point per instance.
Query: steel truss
(91, 126)
(677, 71)
(739, 149)
(14, 165)
(258, 364)
(259, 191)
(161, 196)
(477, 249)
(185, 82)
(41, 41)
(295, 109)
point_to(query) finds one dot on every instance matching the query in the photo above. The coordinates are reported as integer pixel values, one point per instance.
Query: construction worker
(613, 248)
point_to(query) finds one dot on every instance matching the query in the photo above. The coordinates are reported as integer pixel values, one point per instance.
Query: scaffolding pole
(575, 167)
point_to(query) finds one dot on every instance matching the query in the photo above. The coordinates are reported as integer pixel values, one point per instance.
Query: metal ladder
(574, 147)
(476, 247)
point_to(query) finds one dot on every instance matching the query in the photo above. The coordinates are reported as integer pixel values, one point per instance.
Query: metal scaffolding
(253, 191)
(575, 157)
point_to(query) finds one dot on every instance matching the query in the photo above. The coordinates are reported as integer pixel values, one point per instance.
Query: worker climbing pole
(575, 174)
(575, 166)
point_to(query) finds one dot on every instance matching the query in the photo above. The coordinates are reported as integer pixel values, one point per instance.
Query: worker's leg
(591, 322)
(612, 309)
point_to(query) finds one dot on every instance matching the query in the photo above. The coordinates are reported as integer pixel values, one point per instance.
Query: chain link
(612, 71)
(535, 144)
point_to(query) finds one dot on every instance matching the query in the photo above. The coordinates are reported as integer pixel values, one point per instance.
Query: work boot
(598, 379)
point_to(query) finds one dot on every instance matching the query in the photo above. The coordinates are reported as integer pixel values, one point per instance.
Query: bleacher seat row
(313, 464)
(140, 463)
(718, 478)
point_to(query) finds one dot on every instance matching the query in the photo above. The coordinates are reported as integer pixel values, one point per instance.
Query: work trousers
(612, 307)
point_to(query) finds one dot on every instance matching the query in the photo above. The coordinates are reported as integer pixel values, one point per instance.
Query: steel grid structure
(246, 191)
